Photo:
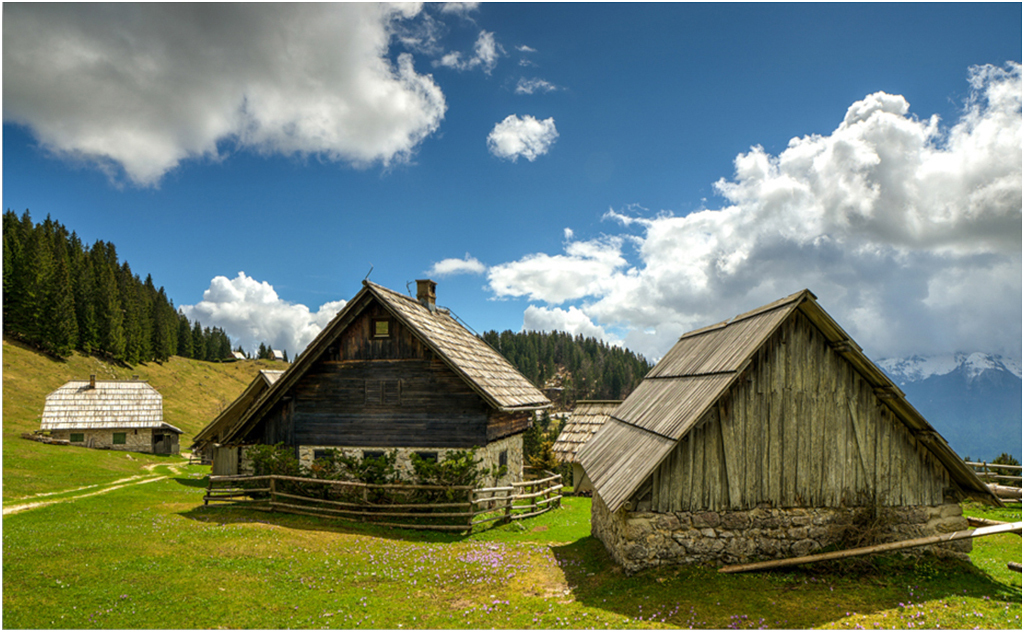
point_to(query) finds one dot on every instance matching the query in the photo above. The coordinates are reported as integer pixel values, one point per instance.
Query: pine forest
(60, 295)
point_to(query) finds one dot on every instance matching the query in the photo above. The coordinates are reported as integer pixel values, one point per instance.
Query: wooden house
(115, 415)
(768, 435)
(209, 441)
(394, 372)
(586, 418)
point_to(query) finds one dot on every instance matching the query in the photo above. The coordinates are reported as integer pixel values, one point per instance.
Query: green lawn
(152, 556)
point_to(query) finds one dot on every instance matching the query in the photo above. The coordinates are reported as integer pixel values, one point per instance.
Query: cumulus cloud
(531, 86)
(572, 321)
(908, 231)
(251, 312)
(526, 137)
(485, 55)
(449, 267)
(138, 88)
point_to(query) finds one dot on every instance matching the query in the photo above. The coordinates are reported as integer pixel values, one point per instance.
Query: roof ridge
(770, 307)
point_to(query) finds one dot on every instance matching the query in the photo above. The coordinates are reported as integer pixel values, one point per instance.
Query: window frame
(123, 438)
(77, 437)
(375, 334)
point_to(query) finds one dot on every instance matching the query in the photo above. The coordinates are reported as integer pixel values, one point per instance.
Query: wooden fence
(431, 507)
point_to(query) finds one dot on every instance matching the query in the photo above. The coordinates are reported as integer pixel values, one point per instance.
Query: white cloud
(143, 87)
(448, 267)
(572, 321)
(485, 55)
(909, 233)
(526, 137)
(531, 86)
(584, 270)
(251, 312)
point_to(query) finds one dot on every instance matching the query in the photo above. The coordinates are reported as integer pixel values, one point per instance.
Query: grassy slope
(193, 394)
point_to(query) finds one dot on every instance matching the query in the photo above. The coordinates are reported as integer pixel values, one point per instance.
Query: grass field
(128, 544)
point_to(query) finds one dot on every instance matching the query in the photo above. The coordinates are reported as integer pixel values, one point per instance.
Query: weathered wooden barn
(209, 441)
(586, 418)
(768, 435)
(395, 372)
(115, 415)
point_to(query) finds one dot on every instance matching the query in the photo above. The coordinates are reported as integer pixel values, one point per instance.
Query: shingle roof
(587, 417)
(78, 406)
(222, 422)
(482, 368)
(698, 370)
(491, 375)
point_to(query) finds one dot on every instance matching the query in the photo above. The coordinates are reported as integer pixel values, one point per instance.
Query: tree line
(584, 368)
(61, 295)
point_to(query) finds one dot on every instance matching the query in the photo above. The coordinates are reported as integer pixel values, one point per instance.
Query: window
(373, 454)
(383, 392)
(77, 437)
(428, 456)
(322, 454)
(381, 328)
(120, 438)
(503, 458)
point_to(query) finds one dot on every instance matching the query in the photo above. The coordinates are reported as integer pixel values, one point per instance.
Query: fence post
(508, 504)
(273, 490)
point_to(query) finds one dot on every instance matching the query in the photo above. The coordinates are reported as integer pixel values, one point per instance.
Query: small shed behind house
(115, 415)
(586, 418)
(224, 459)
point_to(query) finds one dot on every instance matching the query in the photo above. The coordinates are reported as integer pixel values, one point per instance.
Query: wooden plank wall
(799, 429)
(376, 392)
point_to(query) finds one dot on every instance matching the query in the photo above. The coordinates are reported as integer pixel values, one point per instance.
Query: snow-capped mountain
(973, 400)
(917, 368)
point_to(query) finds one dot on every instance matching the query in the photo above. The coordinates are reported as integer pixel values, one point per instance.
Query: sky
(625, 171)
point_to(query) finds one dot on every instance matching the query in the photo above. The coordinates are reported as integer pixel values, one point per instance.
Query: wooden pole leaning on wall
(1010, 527)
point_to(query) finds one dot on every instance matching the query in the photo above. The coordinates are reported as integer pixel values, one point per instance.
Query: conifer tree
(184, 337)
(60, 325)
(198, 342)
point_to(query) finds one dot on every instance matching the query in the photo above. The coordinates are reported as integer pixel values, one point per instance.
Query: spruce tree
(60, 325)
(184, 337)
(198, 342)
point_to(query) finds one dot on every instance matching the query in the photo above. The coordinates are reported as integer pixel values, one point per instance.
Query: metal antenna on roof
(368, 273)
(407, 290)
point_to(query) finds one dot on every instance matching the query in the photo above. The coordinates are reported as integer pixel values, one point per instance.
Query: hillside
(194, 392)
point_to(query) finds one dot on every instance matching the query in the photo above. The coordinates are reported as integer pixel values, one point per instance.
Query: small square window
(322, 454)
(503, 458)
(428, 456)
(77, 437)
(120, 438)
(373, 454)
(381, 328)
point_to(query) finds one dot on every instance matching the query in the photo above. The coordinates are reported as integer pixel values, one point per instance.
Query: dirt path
(119, 484)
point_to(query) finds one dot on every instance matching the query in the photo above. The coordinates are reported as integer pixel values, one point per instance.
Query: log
(983, 522)
(1005, 491)
(1010, 527)
(1013, 566)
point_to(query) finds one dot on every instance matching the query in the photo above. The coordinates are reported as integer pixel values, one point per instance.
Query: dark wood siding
(800, 428)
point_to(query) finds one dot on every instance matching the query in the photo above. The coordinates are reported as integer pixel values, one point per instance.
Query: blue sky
(620, 170)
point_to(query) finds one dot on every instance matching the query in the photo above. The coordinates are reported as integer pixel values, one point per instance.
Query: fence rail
(993, 471)
(429, 507)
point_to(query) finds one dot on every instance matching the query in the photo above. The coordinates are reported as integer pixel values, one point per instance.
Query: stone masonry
(638, 540)
(489, 455)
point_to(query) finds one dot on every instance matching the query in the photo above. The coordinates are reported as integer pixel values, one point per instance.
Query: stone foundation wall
(489, 455)
(136, 439)
(638, 540)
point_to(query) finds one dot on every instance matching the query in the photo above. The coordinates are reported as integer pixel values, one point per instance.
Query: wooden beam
(1011, 527)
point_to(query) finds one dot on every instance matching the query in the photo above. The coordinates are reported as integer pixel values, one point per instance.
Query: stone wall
(489, 455)
(638, 540)
(136, 439)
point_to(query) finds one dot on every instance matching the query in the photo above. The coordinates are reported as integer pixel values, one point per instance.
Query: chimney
(92, 381)
(425, 293)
